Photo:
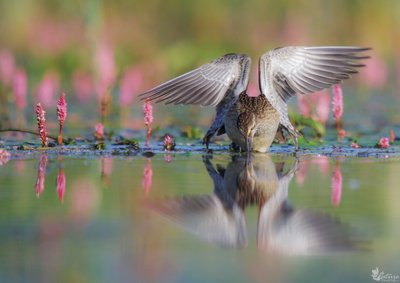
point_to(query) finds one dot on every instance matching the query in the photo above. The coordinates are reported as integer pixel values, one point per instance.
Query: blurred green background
(87, 48)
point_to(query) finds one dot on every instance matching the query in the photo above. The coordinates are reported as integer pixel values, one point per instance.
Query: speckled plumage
(283, 72)
(254, 118)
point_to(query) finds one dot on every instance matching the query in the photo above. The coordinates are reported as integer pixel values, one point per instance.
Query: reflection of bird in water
(255, 180)
(252, 122)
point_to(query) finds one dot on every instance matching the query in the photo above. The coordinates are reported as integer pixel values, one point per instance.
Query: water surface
(190, 218)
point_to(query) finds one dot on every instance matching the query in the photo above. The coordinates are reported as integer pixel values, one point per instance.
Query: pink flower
(337, 102)
(61, 115)
(341, 134)
(39, 186)
(131, 82)
(60, 184)
(355, 145)
(392, 136)
(336, 186)
(104, 64)
(61, 109)
(147, 177)
(83, 85)
(4, 156)
(19, 89)
(375, 73)
(383, 142)
(168, 142)
(98, 131)
(148, 119)
(7, 67)
(148, 112)
(303, 106)
(322, 106)
(41, 121)
(47, 88)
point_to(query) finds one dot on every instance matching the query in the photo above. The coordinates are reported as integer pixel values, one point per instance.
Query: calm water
(180, 218)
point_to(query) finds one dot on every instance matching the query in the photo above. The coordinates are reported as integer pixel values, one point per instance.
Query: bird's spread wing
(206, 85)
(285, 72)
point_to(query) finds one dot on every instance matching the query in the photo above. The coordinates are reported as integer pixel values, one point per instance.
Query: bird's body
(254, 117)
(251, 122)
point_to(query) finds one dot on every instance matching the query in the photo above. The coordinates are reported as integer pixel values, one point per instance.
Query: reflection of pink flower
(337, 102)
(39, 186)
(99, 131)
(383, 142)
(336, 186)
(147, 177)
(7, 67)
(322, 162)
(41, 121)
(60, 184)
(301, 173)
(168, 158)
(19, 88)
(83, 85)
(131, 82)
(47, 88)
(4, 156)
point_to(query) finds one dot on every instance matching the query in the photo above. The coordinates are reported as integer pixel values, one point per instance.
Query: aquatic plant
(19, 87)
(47, 88)
(392, 136)
(41, 122)
(98, 131)
(4, 156)
(7, 67)
(168, 142)
(337, 109)
(383, 143)
(61, 115)
(148, 119)
(355, 145)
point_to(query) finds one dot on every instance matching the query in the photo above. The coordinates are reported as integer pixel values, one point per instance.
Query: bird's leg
(206, 140)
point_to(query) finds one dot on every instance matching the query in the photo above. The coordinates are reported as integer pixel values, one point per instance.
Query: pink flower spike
(383, 142)
(392, 136)
(303, 106)
(130, 84)
(61, 115)
(355, 145)
(41, 121)
(4, 156)
(336, 186)
(148, 119)
(99, 131)
(168, 142)
(19, 89)
(60, 185)
(47, 88)
(337, 102)
(147, 177)
(322, 106)
(7, 67)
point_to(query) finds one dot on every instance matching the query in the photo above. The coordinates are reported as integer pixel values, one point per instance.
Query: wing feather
(207, 85)
(285, 72)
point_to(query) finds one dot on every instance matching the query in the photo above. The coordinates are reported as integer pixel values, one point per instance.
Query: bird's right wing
(207, 85)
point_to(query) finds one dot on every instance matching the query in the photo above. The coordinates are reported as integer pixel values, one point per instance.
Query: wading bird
(252, 122)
